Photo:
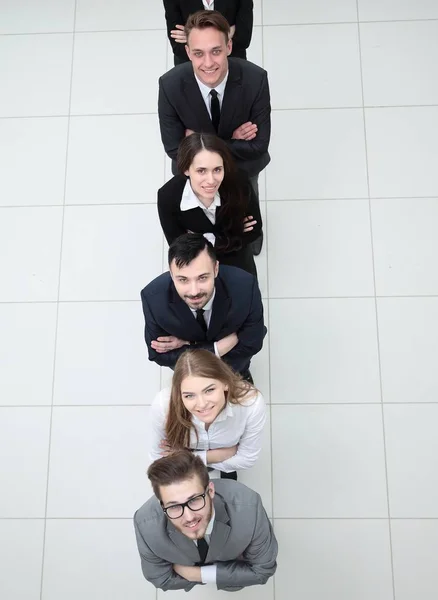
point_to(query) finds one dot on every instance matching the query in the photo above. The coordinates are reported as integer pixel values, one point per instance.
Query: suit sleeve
(173, 15)
(157, 571)
(171, 127)
(260, 114)
(243, 24)
(259, 559)
(169, 220)
(152, 331)
(254, 211)
(252, 332)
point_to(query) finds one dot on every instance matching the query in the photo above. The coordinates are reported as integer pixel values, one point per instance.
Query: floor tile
(391, 10)
(319, 248)
(408, 335)
(402, 151)
(105, 558)
(21, 552)
(95, 15)
(116, 255)
(262, 259)
(44, 16)
(277, 12)
(27, 351)
(415, 547)
(98, 461)
(398, 63)
(260, 362)
(36, 147)
(323, 66)
(411, 450)
(351, 557)
(112, 366)
(44, 65)
(332, 351)
(324, 157)
(405, 246)
(109, 72)
(24, 447)
(114, 160)
(328, 461)
(255, 50)
(30, 245)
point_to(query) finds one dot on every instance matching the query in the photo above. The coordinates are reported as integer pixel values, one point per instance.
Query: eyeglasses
(177, 510)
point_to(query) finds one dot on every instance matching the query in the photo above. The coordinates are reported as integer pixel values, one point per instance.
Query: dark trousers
(232, 475)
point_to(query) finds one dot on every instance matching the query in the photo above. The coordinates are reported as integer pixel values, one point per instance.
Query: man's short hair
(176, 467)
(207, 18)
(187, 247)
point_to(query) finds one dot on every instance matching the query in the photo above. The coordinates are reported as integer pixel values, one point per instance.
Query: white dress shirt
(208, 6)
(208, 573)
(205, 92)
(237, 424)
(190, 200)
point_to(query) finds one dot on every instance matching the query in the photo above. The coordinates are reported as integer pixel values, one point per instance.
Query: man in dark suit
(238, 13)
(194, 531)
(201, 304)
(215, 94)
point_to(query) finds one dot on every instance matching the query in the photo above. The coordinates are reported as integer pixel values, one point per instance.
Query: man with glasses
(195, 532)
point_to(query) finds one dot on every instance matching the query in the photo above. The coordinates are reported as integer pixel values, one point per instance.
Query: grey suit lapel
(183, 543)
(221, 531)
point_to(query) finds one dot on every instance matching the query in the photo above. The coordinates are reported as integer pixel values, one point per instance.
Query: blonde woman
(211, 410)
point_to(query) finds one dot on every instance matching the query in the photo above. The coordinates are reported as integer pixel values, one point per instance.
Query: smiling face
(195, 282)
(204, 398)
(208, 50)
(193, 524)
(206, 174)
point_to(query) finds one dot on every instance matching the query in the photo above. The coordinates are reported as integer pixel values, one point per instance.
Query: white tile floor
(348, 275)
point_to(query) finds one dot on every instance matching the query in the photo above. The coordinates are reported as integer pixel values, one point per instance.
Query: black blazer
(246, 98)
(237, 12)
(237, 308)
(176, 222)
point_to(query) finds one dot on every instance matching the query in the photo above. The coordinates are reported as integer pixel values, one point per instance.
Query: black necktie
(215, 109)
(201, 320)
(203, 550)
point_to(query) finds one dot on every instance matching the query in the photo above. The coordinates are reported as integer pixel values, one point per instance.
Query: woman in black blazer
(210, 196)
(238, 13)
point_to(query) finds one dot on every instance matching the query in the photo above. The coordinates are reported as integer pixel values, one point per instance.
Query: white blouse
(237, 424)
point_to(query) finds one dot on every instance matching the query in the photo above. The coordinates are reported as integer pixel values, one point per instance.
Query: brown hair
(234, 196)
(199, 363)
(176, 467)
(207, 18)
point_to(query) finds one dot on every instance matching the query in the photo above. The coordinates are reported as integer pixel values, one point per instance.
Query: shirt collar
(205, 90)
(211, 523)
(208, 306)
(189, 199)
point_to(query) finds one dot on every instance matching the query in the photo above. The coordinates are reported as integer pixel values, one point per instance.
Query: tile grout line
(267, 300)
(57, 313)
(388, 506)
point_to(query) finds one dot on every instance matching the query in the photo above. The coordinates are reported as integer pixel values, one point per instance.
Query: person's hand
(248, 224)
(167, 343)
(190, 573)
(165, 448)
(178, 34)
(189, 132)
(247, 132)
(227, 343)
(232, 31)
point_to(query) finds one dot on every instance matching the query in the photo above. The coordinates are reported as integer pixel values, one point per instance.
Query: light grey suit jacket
(242, 543)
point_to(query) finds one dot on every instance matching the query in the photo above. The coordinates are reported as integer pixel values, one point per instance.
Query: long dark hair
(234, 196)
(199, 363)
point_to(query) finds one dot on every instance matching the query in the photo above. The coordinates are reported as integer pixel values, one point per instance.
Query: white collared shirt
(208, 573)
(208, 309)
(208, 6)
(190, 200)
(237, 424)
(205, 92)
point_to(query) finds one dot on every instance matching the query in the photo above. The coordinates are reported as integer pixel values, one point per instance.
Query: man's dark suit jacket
(237, 308)
(176, 222)
(246, 98)
(236, 12)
